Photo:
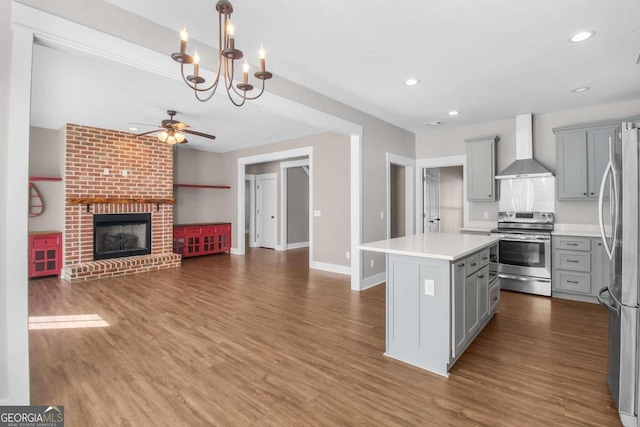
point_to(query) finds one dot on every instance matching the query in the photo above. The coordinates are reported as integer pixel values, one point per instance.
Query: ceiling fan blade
(141, 124)
(147, 133)
(193, 132)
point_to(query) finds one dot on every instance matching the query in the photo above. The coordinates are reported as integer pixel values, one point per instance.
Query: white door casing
(267, 210)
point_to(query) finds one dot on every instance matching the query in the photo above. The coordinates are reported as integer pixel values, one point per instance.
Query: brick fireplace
(111, 172)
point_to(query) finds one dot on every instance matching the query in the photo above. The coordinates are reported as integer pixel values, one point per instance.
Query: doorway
(443, 199)
(266, 210)
(397, 200)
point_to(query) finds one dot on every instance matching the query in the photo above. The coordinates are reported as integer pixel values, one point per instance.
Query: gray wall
(297, 205)
(330, 194)
(397, 208)
(197, 205)
(451, 199)
(46, 158)
(5, 72)
(445, 141)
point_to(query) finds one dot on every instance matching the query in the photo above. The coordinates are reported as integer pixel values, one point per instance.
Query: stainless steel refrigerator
(618, 214)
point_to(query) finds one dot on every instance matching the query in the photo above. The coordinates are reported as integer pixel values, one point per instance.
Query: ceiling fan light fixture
(163, 136)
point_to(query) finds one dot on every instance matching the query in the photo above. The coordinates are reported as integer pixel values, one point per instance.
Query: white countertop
(576, 230)
(446, 246)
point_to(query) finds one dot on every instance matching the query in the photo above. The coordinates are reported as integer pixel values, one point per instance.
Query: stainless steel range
(524, 255)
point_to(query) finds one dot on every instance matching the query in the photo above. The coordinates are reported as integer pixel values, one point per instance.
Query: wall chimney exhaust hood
(525, 166)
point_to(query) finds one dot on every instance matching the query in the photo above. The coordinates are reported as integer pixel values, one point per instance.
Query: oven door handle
(523, 279)
(507, 239)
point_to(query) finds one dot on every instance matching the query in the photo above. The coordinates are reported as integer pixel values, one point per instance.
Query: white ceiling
(489, 59)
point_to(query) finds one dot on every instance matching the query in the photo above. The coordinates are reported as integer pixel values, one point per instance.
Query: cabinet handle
(484, 258)
(489, 195)
(592, 193)
(572, 260)
(573, 281)
(461, 264)
(572, 244)
(495, 298)
(474, 264)
(481, 276)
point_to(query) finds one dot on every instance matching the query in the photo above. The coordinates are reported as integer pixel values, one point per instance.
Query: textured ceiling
(489, 59)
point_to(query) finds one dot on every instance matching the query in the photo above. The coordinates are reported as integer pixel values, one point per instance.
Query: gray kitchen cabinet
(481, 167)
(580, 267)
(459, 280)
(473, 301)
(471, 304)
(582, 153)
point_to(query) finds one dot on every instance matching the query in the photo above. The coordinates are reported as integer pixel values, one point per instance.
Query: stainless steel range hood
(525, 165)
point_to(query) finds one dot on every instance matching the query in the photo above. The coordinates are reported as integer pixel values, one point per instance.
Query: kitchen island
(442, 289)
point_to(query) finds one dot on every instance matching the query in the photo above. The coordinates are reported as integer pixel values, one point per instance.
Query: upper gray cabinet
(582, 153)
(481, 168)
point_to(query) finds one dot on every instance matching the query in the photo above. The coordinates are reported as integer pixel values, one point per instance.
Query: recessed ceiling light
(454, 113)
(411, 82)
(433, 123)
(580, 89)
(133, 128)
(582, 36)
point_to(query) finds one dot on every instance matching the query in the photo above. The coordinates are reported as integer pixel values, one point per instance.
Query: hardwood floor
(262, 340)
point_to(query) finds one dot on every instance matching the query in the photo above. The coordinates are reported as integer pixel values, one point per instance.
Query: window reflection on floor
(67, 322)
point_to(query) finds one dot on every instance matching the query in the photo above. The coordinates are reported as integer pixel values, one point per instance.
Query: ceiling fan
(172, 131)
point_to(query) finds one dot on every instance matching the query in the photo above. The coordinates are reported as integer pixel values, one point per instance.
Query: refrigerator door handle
(605, 303)
(608, 170)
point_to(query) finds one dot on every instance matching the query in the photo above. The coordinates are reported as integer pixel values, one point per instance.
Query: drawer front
(193, 231)
(223, 229)
(483, 258)
(472, 264)
(572, 243)
(178, 232)
(209, 230)
(574, 261)
(494, 296)
(47, 240)
(573, 282)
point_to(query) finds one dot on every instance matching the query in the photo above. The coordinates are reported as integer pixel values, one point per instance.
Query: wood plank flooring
(262, 340)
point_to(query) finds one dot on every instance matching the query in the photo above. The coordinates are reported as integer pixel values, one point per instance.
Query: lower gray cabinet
(475, 299)
(471, 304)
(458, 307)
(580, 267)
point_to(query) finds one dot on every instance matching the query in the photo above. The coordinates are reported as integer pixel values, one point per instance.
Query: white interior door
(431, 200)
(266, 210)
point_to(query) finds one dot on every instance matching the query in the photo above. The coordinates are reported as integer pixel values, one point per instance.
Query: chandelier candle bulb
(245, 68)
(231, 32)
(184, 37)
(196, 64)
(262, 54)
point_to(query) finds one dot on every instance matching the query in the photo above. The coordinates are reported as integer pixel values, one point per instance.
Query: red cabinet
(201, 239)
(45, 253)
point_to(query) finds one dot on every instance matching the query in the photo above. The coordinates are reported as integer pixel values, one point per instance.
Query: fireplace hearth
(121, 235)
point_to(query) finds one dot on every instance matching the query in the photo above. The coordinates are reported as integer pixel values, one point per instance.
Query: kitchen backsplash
(528, 194)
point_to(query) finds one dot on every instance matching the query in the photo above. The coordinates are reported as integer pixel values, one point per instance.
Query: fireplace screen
(121, 235)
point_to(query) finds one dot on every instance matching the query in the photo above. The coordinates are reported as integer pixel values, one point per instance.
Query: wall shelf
(112, 200)
(202, 186)
(44, 178)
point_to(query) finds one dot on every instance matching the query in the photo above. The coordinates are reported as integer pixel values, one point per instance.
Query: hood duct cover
(524, 166)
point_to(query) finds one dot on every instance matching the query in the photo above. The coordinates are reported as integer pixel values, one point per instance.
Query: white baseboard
(372, 281)
(297, 245)
(333, 268)
(236, 251)
(280, 248)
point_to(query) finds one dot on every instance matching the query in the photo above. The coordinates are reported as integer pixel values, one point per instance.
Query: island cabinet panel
(412, 315)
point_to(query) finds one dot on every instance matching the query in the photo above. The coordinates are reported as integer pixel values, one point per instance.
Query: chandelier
(227, 55)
